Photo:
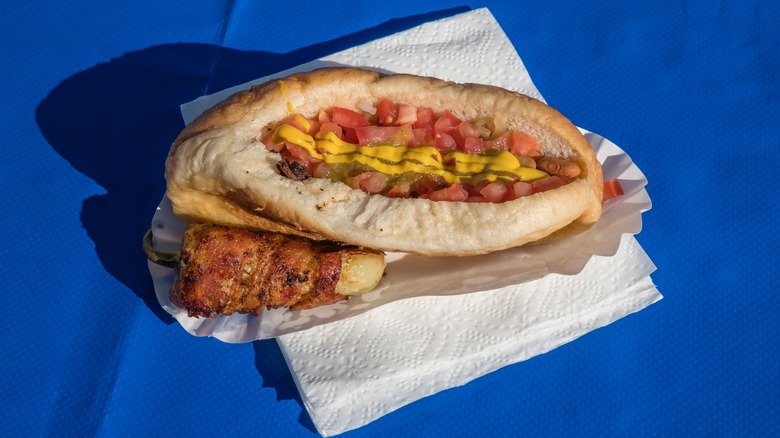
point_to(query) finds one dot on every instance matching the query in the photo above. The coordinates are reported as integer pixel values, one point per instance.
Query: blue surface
(90, 101)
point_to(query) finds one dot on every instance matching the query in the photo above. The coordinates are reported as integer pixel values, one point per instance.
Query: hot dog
(236, 165)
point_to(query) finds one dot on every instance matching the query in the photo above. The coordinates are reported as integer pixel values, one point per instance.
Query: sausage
(226, 270)
(558, 166)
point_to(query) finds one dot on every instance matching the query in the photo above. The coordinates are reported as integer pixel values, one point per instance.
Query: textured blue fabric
(90, 100)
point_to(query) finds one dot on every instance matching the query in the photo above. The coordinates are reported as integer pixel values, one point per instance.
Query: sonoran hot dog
(219, 170)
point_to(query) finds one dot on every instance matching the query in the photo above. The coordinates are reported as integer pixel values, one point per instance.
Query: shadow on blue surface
(115, 121)
(272, 367)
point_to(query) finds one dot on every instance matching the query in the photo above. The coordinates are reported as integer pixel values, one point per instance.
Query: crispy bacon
(293, 170)
(227, 270)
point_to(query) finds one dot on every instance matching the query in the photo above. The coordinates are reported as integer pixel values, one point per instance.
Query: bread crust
(219, 171)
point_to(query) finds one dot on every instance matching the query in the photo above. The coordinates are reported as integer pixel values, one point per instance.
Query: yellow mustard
(452, 166)
(303, 121)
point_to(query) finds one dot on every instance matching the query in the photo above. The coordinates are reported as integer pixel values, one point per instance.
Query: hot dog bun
(218, 170)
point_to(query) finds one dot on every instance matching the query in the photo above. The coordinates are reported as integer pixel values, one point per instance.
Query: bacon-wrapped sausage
(224, 270)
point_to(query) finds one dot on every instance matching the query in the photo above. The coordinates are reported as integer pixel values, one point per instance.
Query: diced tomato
(299, 153)
(314, 165)
(549, 183)
(500, 143)
(332, 127)
(323, 116)
(407, 115)
(269, 143)
(350, 136)
(522, 188)
(372, 182)
(423, 136)
(446, 123)
(399, 191)
(386, 112)
(476, 198)
(474, 189)
(444, 142)
(473, 145)
(425, 118)
(454, 192)
(612, 189)
(389, 135)
(314, 126)
(348, 118)
(294, 123)
(468, 129)
(463, 132)
(320, 170)
(494, 192)
(521, 143)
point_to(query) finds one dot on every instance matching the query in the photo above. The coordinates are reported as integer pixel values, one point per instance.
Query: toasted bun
(219, 171)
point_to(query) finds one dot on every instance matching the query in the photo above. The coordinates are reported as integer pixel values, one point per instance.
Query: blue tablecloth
(90, 105)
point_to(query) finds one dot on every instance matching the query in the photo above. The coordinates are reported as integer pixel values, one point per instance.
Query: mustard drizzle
(452, 166)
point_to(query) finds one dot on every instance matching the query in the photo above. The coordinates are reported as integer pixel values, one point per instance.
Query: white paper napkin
(355, 370)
